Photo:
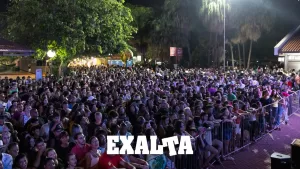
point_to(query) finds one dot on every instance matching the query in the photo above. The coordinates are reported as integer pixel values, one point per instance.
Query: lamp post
(50, 54)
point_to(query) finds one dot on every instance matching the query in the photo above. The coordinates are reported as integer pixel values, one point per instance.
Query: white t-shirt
(241, 86)
(255, 83)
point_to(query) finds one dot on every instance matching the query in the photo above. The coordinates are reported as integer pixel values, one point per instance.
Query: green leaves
(212, 13)
(251, 18)
(71, 27)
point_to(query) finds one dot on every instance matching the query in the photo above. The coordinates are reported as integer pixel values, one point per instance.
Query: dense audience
(63, 122)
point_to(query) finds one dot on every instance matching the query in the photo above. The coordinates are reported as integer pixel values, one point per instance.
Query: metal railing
(242, 130)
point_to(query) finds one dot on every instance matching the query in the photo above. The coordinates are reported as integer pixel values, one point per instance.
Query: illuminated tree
(71, 27)
(212, 15)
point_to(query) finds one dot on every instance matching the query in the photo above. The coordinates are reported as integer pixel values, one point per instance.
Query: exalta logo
(185, 145)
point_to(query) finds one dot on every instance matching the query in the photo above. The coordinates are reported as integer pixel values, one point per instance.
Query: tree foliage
(250, 19)
(71, 27)
(142, 20)
(212, 13)
(174, 25)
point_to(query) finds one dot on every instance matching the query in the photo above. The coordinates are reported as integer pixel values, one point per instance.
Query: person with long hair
(72, 162)
(8, 127)
(51, 153)
(266, 102)
(276, 109)
(65, 146)
(92, 157)
(228, 126)
(25, 116)
(284, 107)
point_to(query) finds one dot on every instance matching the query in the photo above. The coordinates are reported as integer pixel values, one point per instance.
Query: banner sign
(179, 52)
(129, 63)
(173, 51)
(38, 74)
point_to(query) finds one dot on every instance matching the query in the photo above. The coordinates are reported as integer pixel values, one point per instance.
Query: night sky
(146, 2)
(287, 12)
(290, 7)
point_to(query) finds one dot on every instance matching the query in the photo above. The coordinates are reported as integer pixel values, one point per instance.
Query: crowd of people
(63, 122)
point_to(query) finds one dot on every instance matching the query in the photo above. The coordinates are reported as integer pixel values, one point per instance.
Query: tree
(253, 18)
(142, 20)
(237, 40)
(71, 27)
(212, 14)
(231, 52)
(173, 27)
(253, 33)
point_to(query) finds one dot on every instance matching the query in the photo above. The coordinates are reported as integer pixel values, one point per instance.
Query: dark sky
(146, 2)
(287, 12)
(3, 4)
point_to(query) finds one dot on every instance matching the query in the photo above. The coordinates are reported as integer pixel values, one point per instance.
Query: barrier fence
(237, 133)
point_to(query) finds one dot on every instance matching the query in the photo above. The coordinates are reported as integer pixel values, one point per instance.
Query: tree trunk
(244, 56)
(209, 50)
(249, 57)
(60, 72)
(216, 61)
(160, 53)
(232, 58)
(239, 51)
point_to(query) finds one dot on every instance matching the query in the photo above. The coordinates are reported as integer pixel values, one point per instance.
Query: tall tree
(239, 40)
(71, 27)
(142, 20)
(212, 15)
(174, 25)
(253, 18)
(231, 52)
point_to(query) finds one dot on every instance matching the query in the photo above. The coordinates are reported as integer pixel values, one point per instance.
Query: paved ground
(258, 154)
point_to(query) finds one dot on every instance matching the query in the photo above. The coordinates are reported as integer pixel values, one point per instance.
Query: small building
(8, 48)
(11, 49)
(288, 50)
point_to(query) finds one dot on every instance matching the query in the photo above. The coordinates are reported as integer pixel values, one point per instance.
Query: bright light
(94, 61)
(280, 59)
(51, 53)
(139, 58)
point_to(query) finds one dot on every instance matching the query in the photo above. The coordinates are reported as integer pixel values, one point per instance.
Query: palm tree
(231, 52)
(238, 40)
(251, 19)
(253, 33)
(212, 12)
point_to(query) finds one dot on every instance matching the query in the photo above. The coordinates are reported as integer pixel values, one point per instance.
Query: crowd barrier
(245, 129)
